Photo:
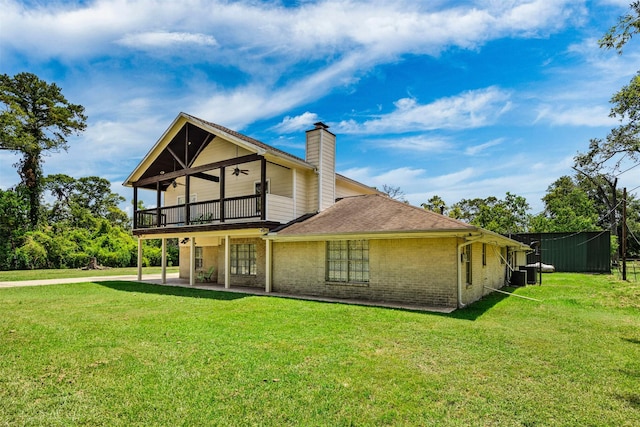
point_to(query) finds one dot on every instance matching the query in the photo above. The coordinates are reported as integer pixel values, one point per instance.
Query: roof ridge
(245, 137)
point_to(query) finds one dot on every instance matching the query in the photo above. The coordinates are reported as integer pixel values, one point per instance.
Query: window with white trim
(348, 261)
(199, 257)
(466, 259)
(484, 254)
(243, 259)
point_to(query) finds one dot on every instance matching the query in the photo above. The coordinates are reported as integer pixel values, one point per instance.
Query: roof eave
(405, 234)
(477, 234)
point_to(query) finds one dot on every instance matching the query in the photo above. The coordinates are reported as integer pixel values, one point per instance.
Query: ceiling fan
(237, 171)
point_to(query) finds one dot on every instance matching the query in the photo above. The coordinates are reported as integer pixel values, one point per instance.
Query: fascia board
(373, 236)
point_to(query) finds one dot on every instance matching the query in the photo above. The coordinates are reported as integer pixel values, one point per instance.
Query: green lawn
(123, 353)
(19, 275)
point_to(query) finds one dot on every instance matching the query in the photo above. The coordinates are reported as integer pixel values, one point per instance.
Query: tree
(501, 216)
(567, 208)
(435, 204)
(77, 199)
(600, 167)
(623, 31)
(36, 118)
(394, 192)
(15, 213)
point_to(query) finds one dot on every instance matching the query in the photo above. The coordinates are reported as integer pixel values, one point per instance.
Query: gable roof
(375, 214)
(161, 157)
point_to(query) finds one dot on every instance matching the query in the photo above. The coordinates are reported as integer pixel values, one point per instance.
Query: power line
(627, 170)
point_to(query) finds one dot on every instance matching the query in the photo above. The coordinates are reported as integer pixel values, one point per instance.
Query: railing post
(263, 188)
(158, 207)
(135, 207)
(187, 200)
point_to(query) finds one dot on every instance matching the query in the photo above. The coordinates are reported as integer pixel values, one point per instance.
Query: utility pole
(624, 233)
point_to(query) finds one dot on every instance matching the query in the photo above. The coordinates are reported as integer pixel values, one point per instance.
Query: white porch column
(192, 261)
(227, 262)
(267, 279)
(139, 259)
(164, 260)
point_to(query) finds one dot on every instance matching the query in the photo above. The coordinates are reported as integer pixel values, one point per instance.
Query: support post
(222, 184)
(263, 188)
(227, 262)
(164, 260)
(267, 284)
(624, 234)
(139, 259)
(192, 261)
(158, 205)
(187, 200)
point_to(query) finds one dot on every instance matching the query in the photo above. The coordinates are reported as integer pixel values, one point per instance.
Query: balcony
(223, 211)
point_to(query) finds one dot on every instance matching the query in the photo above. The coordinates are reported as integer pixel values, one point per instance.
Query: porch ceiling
(178, 154)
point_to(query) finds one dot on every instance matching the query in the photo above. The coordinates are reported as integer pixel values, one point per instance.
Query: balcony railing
(215, 211)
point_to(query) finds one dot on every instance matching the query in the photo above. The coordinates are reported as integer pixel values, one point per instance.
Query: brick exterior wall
(256, 281)
(415, 271)
(491, 275)
(209, 258)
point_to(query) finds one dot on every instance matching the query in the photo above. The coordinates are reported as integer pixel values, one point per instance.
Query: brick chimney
(321, 152)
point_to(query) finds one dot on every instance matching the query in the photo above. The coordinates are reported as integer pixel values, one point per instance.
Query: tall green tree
(15, 214)
(501, 216)
(35, 119)
(77, 199)
(435, 204)
(600, 166)
(568, 208)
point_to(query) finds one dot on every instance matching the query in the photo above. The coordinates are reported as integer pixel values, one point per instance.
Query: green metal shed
(580, 252)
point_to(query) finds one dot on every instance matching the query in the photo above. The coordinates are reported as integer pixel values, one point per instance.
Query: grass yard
(122, 353)
(19, 275)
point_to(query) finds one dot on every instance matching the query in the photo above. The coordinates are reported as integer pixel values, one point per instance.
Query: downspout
(467, 242)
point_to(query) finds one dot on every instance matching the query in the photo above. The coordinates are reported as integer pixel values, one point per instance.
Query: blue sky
(462, 99)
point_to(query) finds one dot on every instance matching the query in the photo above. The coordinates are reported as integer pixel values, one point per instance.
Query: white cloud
(164, 39)
(471, 109)
(592, 116)
(477, 149)
(294, 124)
(313, 30)
(419, 143)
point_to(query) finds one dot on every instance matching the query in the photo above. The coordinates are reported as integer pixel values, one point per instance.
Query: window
(466, 259)
(484, 254)
(199, 258)
(348, 261)
(243, 259)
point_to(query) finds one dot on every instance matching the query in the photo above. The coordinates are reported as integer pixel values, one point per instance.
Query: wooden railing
(208, 212)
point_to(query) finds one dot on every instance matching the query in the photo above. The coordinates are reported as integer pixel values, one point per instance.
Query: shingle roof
(245, 138)
(373, 213)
